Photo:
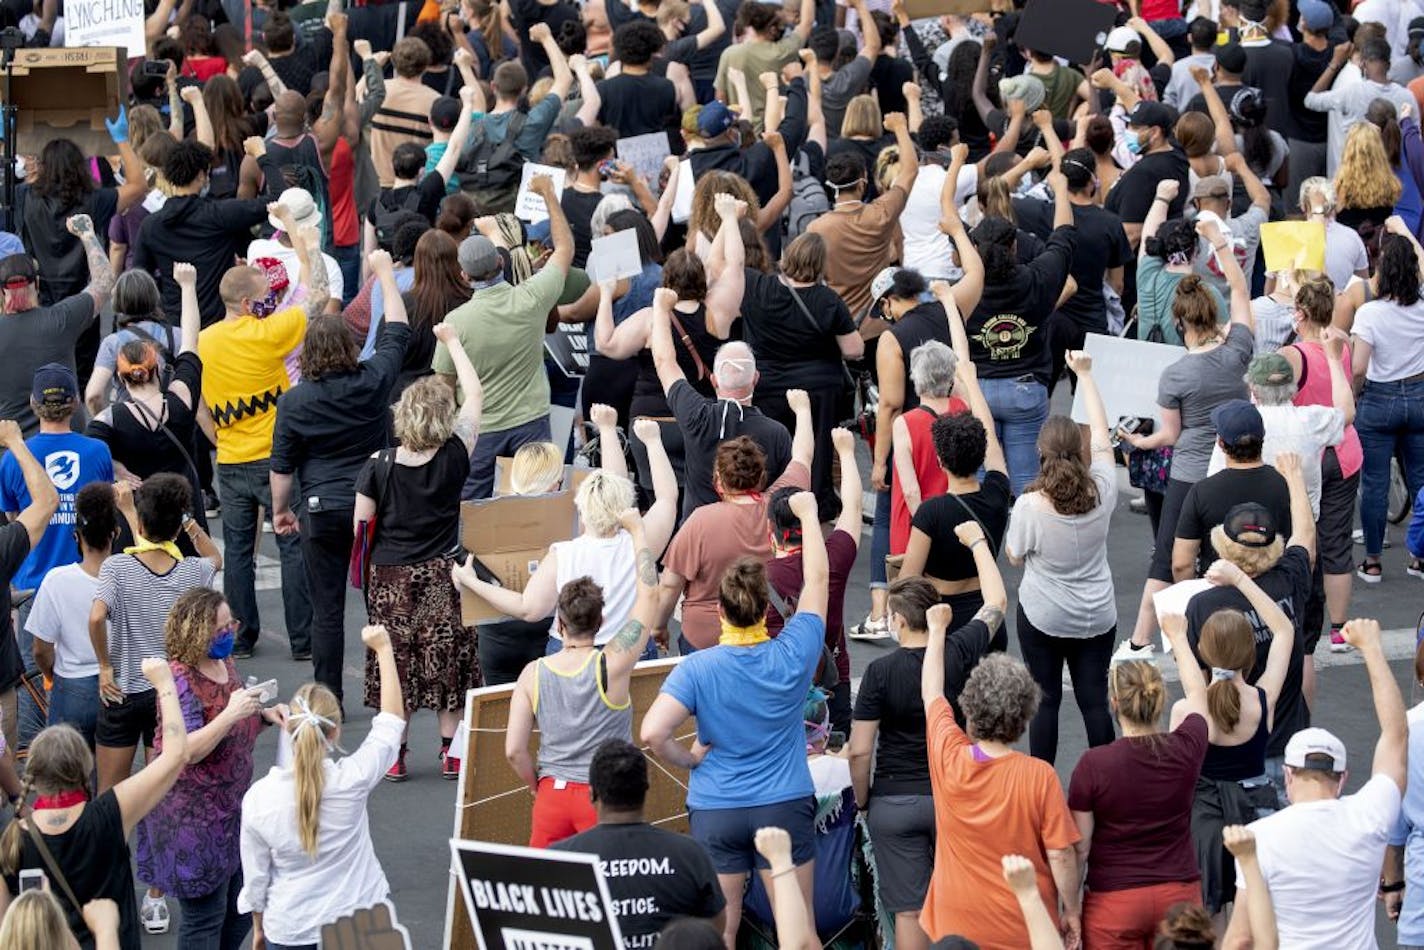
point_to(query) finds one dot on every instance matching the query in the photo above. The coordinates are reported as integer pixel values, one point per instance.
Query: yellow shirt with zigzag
(244, 371)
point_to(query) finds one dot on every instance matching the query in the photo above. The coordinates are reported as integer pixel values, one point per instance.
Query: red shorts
(561, 810)
(1129, 918)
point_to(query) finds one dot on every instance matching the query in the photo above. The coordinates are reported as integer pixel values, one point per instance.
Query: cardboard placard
(533, 899)
(646, 154)
(529, 206)
(1293, 245)
(1073, 29)
(374, 926)
(568, 347)
(925, 9)
(1174, 600)
(510, 536)
(105, 23)
(573, 476)
(614, 257)
(63, 92)
(1126, 372)
(682, 197)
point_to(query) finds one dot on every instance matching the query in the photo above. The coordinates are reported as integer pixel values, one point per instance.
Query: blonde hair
(425, 415)
(887, 167)
(538, 467)
(1253, 561)
(1140, 693)
(59, 761)
(35, 921)
(1317, 187)
(862, 118)
(144, 121)
(1365, 178)
(673, 11)
(704, 219)
(601, 498)
(310, 742)
(188, 632)
(541, 88)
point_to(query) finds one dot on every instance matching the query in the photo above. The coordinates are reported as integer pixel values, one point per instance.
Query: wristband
(1161, 199)
(1394, 888)
(977, 541)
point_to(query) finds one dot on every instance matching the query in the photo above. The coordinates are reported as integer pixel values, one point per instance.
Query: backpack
(387, 219)
(300, 166)
(490, 172)
(808, 198)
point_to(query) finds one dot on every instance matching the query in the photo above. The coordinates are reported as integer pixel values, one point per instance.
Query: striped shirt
(404, 116)
(139, 601)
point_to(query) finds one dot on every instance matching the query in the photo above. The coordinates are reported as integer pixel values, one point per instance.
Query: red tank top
(345, 225)
(933, 481)
(1314, 390)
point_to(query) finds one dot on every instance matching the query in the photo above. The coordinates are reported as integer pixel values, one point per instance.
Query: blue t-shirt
(72, 461)
(748, 703)
(405, 279)
(1408, 833)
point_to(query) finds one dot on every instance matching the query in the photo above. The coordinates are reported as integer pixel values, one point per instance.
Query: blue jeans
(75, 702)
(492, 445)
(1019, 407)
(244, 487)
(212, 922)
(1389, 419)
(880, 541)
(349, 260)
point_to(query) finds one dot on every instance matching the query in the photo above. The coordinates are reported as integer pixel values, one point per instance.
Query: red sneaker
(397, 772)
(449, 766)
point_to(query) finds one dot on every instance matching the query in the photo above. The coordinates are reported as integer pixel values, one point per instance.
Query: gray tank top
(575, 718)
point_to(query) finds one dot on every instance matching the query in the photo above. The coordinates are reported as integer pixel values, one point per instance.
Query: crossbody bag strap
(801, 305)
(780, 601)
(687, 342)
(53, 867)
(970, 511)
(159, 425)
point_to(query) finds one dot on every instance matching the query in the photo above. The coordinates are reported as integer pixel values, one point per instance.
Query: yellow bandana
(167, 547)
(733, 636)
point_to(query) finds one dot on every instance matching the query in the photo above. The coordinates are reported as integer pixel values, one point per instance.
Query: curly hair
(1063, 478)
(96, 520)
(704, 219)
(580, 607)
(424, 416)
(1253, 561)
(740, 466)
(1186, 927)
(188, 632)
(162, 501)
(187, 160)
(960, 442)
(1398, 270)
(1364, 178)
(329, 348)
(411, 57)
(1178, 236)
(637, 42)
(999, 699)
(996, 239)
(742, 595)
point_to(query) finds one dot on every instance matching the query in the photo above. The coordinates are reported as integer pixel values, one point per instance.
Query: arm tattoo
(627, 637)
(315, 274)
(991, 616)
(647, 568)
(101, 274)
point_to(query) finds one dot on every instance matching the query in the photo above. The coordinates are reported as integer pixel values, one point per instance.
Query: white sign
(1174, 600)
(645, 153)
(615, 257)
(682, 197)
(1126, 372)
(105, 23)
(530, 207)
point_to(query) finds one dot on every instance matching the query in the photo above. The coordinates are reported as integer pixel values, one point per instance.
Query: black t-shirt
(446, 81)
(654, 877)
(1131, 198)
(1268, 68)
(648, 398)
(791, 353)
(707, 423)
(526, 14)
(637, 105)
(145, 451)
(296, 69)
(1288, 584)
(14, 548)
(937, 517)
(420, 350)
(890, 693)
(423, 198)
(1307, 124)
(1007, 330)
(206, 232)
(59, 255)
(417, 507)
(924, 323)
(888, 75)
(1102, 245)
(578, 208)
(1225, 90)
(94, 858)
(1210, 499)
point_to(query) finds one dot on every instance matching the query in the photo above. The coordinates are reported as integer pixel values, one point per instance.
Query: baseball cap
(1028, 88)
(576, 284)
(55, 383)
(16, 268)
(881, 284)
(1237, 419)
(445, 113)
(1250, 525)
(1212, 186)
(1152, 113)
(303, 208)
(1416, 26)
(478, 257)
(714, 119)
(1315, 741)
(1120, 38)
(1269, 369)
(1232, 58)
(1318, 17)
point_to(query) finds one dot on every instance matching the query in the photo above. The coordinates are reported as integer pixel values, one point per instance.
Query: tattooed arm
(308, 244)
(101, 274)
(140, 793)
(991, 582)
(627, 645)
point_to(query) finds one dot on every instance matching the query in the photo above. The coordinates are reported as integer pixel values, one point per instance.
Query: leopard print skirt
(436, 655)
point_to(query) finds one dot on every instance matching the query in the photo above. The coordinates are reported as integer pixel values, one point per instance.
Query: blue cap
(714, 119)
(1237, 419)
(55, 383)
(1316, 15)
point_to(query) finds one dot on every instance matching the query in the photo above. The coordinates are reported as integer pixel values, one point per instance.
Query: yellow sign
(1294, 245)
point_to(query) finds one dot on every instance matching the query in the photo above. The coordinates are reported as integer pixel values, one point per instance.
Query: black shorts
(728, 833)
(1334, 529)
(1161, 567)
(126, 724)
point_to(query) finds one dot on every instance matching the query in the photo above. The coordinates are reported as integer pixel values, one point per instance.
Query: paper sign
(1174, 599)
(645, 153)
(528, 206)
(1293, 245)
(532, 899)
(925, 9)
(374, 926)
(615, 257)
(105, 23)
(1126, 372)
(682, 198)
(1073, 29)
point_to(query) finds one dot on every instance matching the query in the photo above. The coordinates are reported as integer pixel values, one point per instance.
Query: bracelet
(1394, 888)
(792, 870)
(977, 541)
(1219, 247)
(1161, 199)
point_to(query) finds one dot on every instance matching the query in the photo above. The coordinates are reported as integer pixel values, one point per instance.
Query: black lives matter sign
(528, 899)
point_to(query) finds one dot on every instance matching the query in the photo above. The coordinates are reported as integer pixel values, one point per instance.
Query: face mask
(1134, 145)
(266, 306)
(221, 647)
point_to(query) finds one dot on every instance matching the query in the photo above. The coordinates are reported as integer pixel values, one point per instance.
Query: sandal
(1415, 567)
(1370, 572)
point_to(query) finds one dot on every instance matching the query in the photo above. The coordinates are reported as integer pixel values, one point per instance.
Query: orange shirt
(983, 811)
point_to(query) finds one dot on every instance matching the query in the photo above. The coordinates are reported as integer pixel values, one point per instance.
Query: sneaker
(1126, 652)
(870, 629)
(397, 772)
(243, 651)
(1138, 505)
(301, 656)
(1415, 568)
(1337, 642)
(211, 507)
(154, 914)
(449, 765)
(1370, 572)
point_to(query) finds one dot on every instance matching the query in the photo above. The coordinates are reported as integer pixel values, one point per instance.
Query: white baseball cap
(1120, 38)
(1315, 741)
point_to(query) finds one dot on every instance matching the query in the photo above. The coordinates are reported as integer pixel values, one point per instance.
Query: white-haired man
(1345, 254)
(707, 423)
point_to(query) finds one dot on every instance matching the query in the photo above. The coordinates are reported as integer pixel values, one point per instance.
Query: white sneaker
(870, 630)
(154, 914)
(1125, 653)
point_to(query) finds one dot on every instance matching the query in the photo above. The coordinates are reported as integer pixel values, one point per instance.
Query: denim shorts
(728, 833)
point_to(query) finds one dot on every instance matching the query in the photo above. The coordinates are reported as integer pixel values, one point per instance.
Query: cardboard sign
(1126, 372)
(510, 536)
(646, 154)
(529, 206)
(1293, 245)
(925, 9)
(567, 346)
(68, 92)
(614, 257)
(374, 926)
(682, 197)
(1073, 29)
(532, 899)
(1174, 599)
(105, 23)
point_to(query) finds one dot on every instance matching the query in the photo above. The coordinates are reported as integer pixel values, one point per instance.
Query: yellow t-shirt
(244, 371)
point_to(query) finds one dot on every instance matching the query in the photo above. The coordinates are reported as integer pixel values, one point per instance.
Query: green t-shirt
(1059, 87)
(753, 59)
(1156, 288)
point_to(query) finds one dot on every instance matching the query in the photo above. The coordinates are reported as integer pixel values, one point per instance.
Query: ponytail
(1228, 644)
(314, 718)
(12, 838)
(1062, 477)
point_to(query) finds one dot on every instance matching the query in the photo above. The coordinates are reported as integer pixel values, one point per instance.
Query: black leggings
(1087, 659)
(505, 648)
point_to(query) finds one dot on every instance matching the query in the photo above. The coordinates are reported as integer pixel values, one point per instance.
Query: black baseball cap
(17, 268)
(1250, 525)
(1148, 114)
(55, 383)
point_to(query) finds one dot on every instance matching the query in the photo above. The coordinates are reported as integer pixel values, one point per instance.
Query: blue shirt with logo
(72, 461)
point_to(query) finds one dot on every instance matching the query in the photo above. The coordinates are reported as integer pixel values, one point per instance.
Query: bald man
(296, 151)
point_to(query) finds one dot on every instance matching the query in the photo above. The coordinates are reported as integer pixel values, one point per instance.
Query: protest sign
(1174, 599)
(1293, 245)
(645, 153)
(567, 346)
(1126, 372)
(925, 9)
(105, 23)
(533, 899)
(615, 257)
(682, 197)
(1073, 29)
(363, 929)
(529, 206)
(509, 537)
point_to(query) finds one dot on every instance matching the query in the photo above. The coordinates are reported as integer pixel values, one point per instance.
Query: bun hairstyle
(1062, 475)
(1178, 236)
(137, 362)
(996, 239)
(1186, 927)
(1139, 690)
(1195, 307)
(740, 465)
(743, 592)
(1227, 643)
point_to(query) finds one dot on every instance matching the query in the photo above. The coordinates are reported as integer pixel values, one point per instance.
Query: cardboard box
(68, 92)
(925, 9)
(510, 535)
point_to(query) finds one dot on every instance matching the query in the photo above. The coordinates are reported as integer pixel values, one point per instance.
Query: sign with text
(646, 154)
(1073, 29)
(615, 256)
(529, 206)
(1126, 371)
(531, 899)
(105, 23)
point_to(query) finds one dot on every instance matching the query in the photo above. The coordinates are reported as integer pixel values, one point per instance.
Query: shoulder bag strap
(781, 602)
(970, 511)
(161, 426)
(1304, 365)
(383, 479)
(801, 305)
(687, 342)
(53, 866)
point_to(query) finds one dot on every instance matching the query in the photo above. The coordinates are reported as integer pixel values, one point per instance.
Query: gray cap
(478, 257)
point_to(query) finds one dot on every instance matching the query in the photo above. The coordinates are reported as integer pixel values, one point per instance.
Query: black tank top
(304, 158)
(926, 322)
(1236, 763)
(648, 397)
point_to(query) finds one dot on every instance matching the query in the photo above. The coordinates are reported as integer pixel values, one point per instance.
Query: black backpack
(490, 172)
(387, 219)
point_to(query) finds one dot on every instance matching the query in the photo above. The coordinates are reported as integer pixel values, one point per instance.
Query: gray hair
(932, 366)
(735, 367)
(1280, 394)
(608, 206)
(999, 699)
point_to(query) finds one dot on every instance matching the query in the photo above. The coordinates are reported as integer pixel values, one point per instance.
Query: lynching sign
(105, 23)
